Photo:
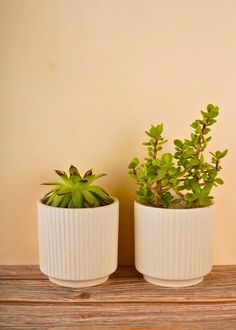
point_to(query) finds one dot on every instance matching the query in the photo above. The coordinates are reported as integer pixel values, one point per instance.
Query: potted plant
(78, 231)
(174, 209)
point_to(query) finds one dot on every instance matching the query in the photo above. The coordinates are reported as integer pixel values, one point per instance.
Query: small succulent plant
(183, 179)
(75, 191)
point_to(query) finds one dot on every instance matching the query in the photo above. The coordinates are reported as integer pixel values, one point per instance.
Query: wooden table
(126, 301)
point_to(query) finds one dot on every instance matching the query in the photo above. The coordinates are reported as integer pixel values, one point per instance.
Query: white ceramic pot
(173, 247)
(78, 247)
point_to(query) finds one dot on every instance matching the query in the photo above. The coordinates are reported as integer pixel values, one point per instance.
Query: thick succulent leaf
(74, 179)
(74, 192)
(51, 198)
(56, 200)
(71, 204)
(189, 197)
(92, 178)
(77, 198)
(88, 173)
(207, 188)
(134, 163)
(196, 187)
(219, 181)
(90, 198)
(49, 193)
(64, 190)
(62, 175)
(98, 192)
(44, 200)
(52, 184)
(65, 200)
(74, 171)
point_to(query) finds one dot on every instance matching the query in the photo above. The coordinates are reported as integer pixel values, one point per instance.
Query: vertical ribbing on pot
(78, 244)
(173, 243)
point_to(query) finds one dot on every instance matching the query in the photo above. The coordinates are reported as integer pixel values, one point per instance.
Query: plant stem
(199, 150)
(155, 149)
(200, 140)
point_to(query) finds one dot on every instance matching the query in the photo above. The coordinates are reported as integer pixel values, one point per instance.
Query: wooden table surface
(126, 301)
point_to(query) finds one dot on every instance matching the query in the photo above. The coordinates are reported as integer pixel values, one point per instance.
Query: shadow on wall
(126, 223)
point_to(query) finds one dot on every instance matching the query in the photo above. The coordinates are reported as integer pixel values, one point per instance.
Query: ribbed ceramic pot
(78, 247)
(173, 247)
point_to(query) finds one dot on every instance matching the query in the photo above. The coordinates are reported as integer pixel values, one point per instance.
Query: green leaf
(71, 204)
(74, 171)
(62, 175)
(188, 152)
(161, 174)
(207, 188)
(88, 197)
(220, 155)
(77, 198)
(205, 200)
(178, 143)
(140, 173)
(164, 182)
(194, 162)
(167, 198)
(52, 184)
(172, 171)
(50, 199)
(196, 187)
(174, 181)
(162, 142)
(134, 163)
(212, 173)
(155, 162)
(167, 157)
(64, 190)
(65, 200)
(155, 131)
(98, 192)
(88, 173)
(56, 200)
(210, 107)
(219, 181)
(50, 192)
(92, 178)
(213, 112)
(224, 153)
(189, 197)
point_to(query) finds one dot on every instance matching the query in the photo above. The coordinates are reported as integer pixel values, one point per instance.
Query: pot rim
(86, 209)
(175, 209)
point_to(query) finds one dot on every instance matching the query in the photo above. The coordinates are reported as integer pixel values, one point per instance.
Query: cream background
(81, 80)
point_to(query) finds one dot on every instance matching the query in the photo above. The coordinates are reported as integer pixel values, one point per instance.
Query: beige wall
(81, 80)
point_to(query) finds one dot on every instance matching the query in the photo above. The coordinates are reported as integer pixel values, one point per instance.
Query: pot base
(79, 284)
(173, 283)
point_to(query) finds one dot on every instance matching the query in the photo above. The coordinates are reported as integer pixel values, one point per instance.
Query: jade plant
(183, 179)
(76, 191)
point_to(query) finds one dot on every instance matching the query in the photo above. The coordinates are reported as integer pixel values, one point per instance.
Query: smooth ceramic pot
(78, 247)
(173, 247)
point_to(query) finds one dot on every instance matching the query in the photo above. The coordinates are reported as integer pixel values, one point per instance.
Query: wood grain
(115, 290)
(117, 313)
(28, 300)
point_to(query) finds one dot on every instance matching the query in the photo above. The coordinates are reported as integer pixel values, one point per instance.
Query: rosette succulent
(76, 191)
(183, 179)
